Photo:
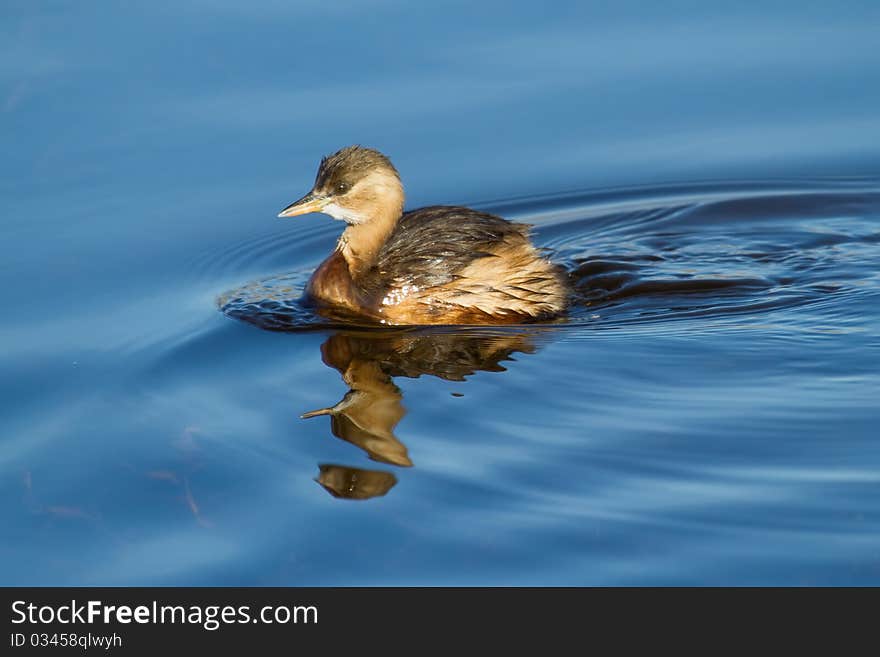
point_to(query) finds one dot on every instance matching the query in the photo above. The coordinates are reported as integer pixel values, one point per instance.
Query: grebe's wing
(430, 246)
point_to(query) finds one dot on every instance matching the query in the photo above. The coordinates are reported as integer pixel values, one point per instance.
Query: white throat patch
(343, 214)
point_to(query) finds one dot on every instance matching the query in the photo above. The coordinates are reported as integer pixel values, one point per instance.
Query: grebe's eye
(342, 188)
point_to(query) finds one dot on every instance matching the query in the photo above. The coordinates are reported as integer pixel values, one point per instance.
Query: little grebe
(434, 265)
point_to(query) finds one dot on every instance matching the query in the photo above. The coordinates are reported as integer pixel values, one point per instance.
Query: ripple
(699, 252)
(294, 246)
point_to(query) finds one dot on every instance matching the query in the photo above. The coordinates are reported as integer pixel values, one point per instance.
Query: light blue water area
(706, 414)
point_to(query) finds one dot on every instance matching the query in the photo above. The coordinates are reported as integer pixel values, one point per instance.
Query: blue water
(707, 414)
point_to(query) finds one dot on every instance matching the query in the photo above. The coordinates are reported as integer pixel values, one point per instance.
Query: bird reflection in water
(369, 412)
(354, 483)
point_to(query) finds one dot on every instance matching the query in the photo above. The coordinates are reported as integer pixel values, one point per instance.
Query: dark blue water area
(706, 413)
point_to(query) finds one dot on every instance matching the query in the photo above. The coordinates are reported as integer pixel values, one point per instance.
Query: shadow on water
(369, 412)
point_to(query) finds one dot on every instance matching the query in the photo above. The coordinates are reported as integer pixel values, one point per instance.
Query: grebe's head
(355, 185)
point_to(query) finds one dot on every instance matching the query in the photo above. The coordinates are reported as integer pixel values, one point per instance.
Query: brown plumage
(435, 265)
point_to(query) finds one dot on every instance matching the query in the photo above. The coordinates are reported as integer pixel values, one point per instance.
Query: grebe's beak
(311, 202)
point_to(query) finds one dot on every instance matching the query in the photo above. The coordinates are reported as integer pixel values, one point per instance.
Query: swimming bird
(434, 265)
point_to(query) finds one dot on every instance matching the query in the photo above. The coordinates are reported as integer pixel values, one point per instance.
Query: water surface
(706, 414)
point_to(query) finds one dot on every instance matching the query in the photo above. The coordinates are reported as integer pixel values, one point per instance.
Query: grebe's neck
(361, 241)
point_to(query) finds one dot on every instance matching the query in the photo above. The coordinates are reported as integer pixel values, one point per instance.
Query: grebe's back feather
(431, 245)
(466, 259)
